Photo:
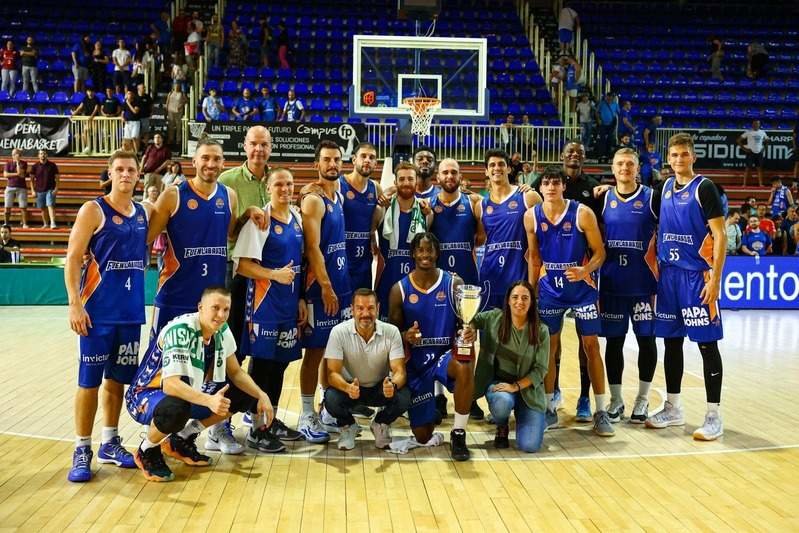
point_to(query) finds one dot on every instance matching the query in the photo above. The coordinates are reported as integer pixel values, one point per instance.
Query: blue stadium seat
(50, 111)
(316, 118)
(59, 97)
(11, 111)
(317, 103)
(31, 111)
(230, 86)
(21, 97)
(41, 97)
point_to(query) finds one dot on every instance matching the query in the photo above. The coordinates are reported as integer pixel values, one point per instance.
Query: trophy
(467, 305)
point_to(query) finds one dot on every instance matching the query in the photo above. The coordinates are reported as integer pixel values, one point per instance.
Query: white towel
(403, 446)
(391, 223)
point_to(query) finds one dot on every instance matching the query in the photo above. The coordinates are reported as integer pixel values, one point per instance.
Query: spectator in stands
(212, 106)
(163, 31)
(267, 105)
(111, 106)
(145, 102)
(749, 208)
(568, 23)
(180, 30)
(214, 40)
(755, 241)
(626, 125)
(122, 60)
(529, 173)
(105, 181)
(779, 242)
(130, 115)
(715, 57)
(725, 202)
(174, 174)
(8, 246)
(766, 224)
(180, 71)
(29, 57)
(733, 231)
(516, 168)
(45, 179)
(16, 174)
(88, 107)
(265, 40)
(788, 227)
(651, 130)
(506, 133)
(245, 108)
(191, 48)
(283, 46)
(10, 68)
(756, 60)
(526, 133)
(175, 107)
(98, 66)
(154, 162)
(795, 142)
(651, 165)
(586, 116)
(753, 142)
(572, 71)
(237, 46)
(81, 59)
(626, 141)
(780, 197)
(137, 69)
(293, 110)
(199, 25)
(608, 118)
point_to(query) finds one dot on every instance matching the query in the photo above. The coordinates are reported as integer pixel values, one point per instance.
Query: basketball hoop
(422, 109)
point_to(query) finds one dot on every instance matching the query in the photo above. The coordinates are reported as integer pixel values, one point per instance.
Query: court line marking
(482, 458)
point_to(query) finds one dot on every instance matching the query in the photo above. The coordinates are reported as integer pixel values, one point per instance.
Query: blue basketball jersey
(359, 208)
(630, 268)
(562, 245)
(433, 310)
(684, 238)
(454, 226)
(269, 301)
(398, 262)
(779, 201)
(196, 253)
(429, 194)
(333, 245)
(112, 284)
(505, 259)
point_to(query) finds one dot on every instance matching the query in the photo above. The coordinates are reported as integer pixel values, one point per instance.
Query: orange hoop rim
(420, 104)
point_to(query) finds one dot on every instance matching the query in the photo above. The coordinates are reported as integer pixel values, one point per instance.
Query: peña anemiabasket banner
(31, 133)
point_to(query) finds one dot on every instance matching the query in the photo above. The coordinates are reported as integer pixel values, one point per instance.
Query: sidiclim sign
(760, 283)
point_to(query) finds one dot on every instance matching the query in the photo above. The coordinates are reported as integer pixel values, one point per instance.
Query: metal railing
(100, 136)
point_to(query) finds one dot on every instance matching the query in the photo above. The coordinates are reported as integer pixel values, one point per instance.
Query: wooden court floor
(638, 480)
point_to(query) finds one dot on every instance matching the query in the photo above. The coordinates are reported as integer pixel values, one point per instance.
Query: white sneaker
(640, 411)
(712, 428)
(53, 225)
(346, 437)
(220, 439)
(668, 416)
(328, 421)
(311, 429)
(382, 433)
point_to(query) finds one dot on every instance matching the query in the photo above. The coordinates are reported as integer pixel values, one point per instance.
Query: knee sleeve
(711, 362)
(171, 414)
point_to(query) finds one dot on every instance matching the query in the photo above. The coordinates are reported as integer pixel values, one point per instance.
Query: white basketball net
(422, 110)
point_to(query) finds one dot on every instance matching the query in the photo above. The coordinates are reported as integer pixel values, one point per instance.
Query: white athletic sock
(601, 401)
(146, 444)
(83, 441)
(674, 399)
(438, 388)
(307, 403)
(192, 428)
(551, 401)
(714, 408)
(615, 394)
(108, 434)
(460, 421)
(643, 389)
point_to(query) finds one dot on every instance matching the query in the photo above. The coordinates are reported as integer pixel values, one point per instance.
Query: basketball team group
(469, 296)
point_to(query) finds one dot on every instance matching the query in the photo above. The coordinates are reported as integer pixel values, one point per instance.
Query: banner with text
(760, 283)
(718, 149)
(291, 141)
(31, 133)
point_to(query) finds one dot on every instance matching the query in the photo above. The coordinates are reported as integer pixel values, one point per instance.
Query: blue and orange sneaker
(152, 464)
(81, 470)
(112, 452)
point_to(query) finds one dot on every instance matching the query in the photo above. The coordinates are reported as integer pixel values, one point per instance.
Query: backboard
(388, 68)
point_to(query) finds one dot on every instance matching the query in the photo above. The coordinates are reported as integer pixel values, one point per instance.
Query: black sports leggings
(673, 366)
(614, 358)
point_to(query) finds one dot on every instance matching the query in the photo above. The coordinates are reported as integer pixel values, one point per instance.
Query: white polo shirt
(366, 360)
(755, 139)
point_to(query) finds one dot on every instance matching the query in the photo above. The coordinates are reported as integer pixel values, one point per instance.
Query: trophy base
(463, 353)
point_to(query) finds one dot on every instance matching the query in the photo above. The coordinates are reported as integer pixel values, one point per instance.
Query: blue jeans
(530, 424)
(586, 130)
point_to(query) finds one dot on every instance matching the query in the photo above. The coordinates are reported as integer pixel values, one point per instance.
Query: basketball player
(178, 392)
(425, 160)
(502, 218)
(106, 309)
(270, 260)
(402, 221)
(421, 306)
(628, 281)
(691, 253)
(328, 289)
(560, 235)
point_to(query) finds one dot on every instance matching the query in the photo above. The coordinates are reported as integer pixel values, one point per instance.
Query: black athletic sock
(614, 359)
(673, 364)
(647, 358)
(711, 362)
(557, 369)
(585, 377)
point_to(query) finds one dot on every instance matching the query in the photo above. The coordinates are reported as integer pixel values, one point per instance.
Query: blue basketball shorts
(616, 312)
(108, 351)
(679, 311)
(422, 386)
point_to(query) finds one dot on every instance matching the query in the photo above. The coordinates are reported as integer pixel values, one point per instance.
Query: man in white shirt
(371, 352)
(293, 110)
(753, 142)
(568, 22)
(122, 60)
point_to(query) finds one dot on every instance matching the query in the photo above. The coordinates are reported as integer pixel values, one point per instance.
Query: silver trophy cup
(467, 300)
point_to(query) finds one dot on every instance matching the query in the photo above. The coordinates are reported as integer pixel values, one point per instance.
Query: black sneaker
(458, 449)
(501, 438)
(152, 464)
(441, 407)
(475, 413)
(281, 431)
(263, 441)
(362, 411)
(184, 450)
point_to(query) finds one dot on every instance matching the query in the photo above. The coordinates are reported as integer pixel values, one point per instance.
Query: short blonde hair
(682, 139)
(627, 151)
